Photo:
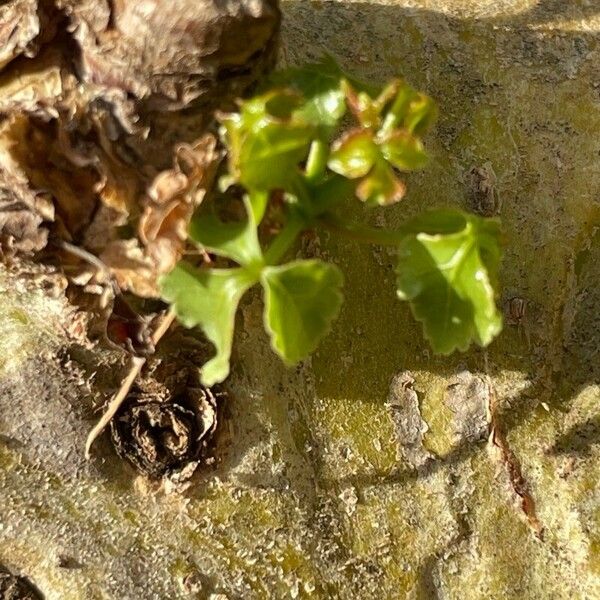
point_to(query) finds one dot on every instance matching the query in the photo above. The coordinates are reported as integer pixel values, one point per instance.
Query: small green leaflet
(208, 298)
(362, 154)
(302, 298)
(237, 240)
(266, 142)
(354, 154)
(381, 186)
(410, 110)
(403, 150)
(447, 265)
(320, 84)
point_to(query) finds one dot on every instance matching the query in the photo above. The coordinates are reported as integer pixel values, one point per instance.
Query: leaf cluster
(290, 156)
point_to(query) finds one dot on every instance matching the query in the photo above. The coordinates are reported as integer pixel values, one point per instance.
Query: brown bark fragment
(410, 427)
(467, 395)
(22, 212)
(509, 459)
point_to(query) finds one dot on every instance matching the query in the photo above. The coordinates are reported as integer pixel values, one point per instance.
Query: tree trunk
(375, 469)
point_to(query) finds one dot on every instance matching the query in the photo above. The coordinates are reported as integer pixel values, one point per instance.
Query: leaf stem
(317, 161)
(285, 238)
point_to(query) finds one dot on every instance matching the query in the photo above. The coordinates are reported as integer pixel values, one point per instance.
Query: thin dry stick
(84, 255)
(136, 366)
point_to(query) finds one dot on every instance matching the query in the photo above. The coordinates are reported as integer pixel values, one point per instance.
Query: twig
(84, 255)
(134, 370)
(94, 261)
(163, 327)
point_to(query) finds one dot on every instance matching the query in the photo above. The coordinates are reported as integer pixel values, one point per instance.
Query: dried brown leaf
(172, 198)
(24, 211)
(32, 148)
(131, 267)
(169, 204)
(33, 86)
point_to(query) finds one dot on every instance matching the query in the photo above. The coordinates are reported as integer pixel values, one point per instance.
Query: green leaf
(381, 186)
(267, 142)
(301, 300)
(410, 110)
(237, 240)
(396, 115)
(320, 86)
(404, 151)
(208, 298)
(366, 107)
(354, 154)
(447, 265)
(422, 114)
(257, 205)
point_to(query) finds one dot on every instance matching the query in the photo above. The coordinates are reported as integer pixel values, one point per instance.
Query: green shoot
(291, 163)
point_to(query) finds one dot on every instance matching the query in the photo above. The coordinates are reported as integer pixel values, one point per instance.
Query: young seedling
(289, 157)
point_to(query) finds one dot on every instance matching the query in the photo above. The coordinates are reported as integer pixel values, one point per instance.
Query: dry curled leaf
(177, 191)
(32, 148)
(93, 192)
(165, 437)
(172, 199)
(132, 269)
(168, 207)
(35, 86)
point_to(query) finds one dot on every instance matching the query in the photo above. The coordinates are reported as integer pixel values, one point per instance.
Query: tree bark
(374, 469)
